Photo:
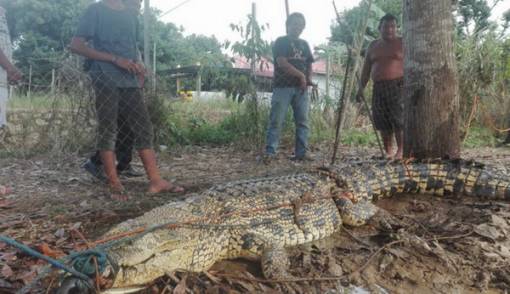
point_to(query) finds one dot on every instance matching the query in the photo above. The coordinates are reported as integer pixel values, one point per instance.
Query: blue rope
(36, 254)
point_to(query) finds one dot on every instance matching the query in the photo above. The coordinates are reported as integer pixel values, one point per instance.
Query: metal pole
(146, 34)
(53, 82)
(287, 7)
(154, 66)
(29, 81)
(328, 73)
(253, 26)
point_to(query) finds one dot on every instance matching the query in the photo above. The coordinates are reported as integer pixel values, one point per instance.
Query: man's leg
(117, 190)
(124, 148)
(94, 166)
(279, 105)
(300, 107)
(399, 136)
(137, 118)
(387, 137)
(107, 108)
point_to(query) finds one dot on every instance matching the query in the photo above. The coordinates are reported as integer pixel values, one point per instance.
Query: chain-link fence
(64, 108)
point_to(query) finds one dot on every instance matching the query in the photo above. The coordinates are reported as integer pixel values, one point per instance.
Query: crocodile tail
(372, 180)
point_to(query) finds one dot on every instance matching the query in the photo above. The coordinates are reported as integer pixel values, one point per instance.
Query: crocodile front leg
(355, 214)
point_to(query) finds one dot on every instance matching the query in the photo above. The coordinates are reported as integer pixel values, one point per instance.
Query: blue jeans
(280, 101)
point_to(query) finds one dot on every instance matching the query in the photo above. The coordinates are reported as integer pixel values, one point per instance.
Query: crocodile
(259, 218)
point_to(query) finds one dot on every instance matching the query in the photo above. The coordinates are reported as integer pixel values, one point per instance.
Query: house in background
(203, 85)
(320, 76)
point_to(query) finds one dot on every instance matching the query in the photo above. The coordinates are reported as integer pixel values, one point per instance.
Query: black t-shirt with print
(297, 53)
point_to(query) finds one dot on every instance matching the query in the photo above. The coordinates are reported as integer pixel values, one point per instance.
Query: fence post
(199, 81)
(29, 81)
(53, 81)
(154, 68)
(328, 73)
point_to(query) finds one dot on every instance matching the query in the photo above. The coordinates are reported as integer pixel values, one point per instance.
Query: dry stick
(340, 105)
(365, 103)
(357, 44)
(357, 239)
(491, 121)
(471, 117)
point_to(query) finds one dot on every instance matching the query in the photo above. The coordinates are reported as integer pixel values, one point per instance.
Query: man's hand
(141, 74)
(140, 69)
(303, 83)
(126, 64)
(13, 75)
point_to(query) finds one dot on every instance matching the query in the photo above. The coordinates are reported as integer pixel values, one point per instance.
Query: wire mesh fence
(63, 108)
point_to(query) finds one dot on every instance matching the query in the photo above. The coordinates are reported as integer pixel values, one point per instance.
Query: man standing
(9, 74)
(112, 30)
(125, 140)
(293, 68)
(384, 63)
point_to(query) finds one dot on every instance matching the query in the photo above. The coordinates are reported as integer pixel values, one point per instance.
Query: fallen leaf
(488, 231)
(60, 233)
(6, 203)
(211, 277)
(181, 287)
(5, 285)
(7, 271)
(27, 277)
(46, 250)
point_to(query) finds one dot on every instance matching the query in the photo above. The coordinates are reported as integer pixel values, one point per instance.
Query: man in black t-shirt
(293, 68)
(125, 137)
(107, 35)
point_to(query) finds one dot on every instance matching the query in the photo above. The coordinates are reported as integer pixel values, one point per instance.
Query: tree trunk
(431, 102)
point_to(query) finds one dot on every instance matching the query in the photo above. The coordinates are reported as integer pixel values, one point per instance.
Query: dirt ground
(435, 245)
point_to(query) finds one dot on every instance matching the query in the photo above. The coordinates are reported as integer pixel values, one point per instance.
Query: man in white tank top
(8, 73)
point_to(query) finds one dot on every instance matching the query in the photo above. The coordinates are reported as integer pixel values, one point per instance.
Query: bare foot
(162, 186)
(117, 192)
(398, 156)
(5, 190)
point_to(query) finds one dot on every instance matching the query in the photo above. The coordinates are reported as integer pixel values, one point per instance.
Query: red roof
(265, 68)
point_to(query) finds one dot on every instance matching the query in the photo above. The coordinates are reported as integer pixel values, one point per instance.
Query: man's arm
(309, 74)
(291, 70)
(79, 46)
(13, 74)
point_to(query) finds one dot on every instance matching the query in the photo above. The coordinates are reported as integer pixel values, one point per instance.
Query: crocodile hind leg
(275, 263)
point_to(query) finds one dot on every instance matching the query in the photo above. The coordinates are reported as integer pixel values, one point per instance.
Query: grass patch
(479, 137)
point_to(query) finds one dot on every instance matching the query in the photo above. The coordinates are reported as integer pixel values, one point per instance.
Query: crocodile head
(142, 260)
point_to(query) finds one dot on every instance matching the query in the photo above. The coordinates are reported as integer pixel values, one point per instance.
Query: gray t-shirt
(111, 31)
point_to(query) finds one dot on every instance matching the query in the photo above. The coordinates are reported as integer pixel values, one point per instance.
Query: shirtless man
(384, 63)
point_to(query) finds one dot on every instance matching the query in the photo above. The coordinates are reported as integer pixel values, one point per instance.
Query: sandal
(118, 194)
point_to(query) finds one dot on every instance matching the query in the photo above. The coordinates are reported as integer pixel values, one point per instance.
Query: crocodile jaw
(145, 259)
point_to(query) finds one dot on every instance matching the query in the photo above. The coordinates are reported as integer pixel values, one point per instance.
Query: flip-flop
(176, 189)
(118, 194)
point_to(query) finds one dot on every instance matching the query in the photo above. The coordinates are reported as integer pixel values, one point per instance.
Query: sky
(213, 17)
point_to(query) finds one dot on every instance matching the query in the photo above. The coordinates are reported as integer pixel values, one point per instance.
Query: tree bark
(431, 102)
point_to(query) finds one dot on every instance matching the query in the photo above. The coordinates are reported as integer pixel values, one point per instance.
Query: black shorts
(387, 105)
(127, 102)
